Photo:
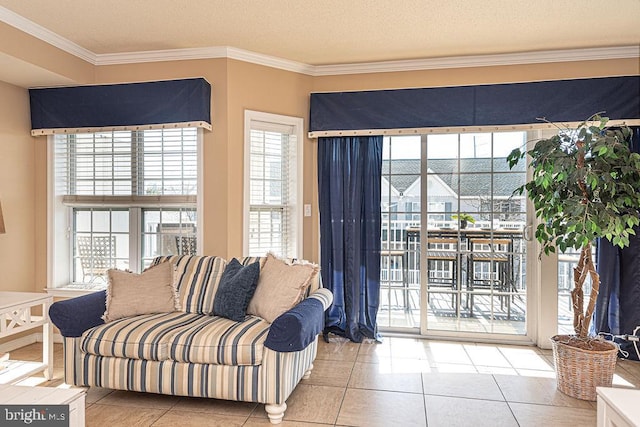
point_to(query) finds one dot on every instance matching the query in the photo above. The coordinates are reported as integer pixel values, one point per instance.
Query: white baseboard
(27, 340)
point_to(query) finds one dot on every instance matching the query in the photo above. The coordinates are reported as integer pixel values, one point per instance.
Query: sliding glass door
(453, 248)
(401, 211)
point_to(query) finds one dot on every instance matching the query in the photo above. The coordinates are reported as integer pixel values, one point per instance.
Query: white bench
(23, 395)
(619, 407)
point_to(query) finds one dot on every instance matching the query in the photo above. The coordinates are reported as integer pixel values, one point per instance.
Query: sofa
(188, 349)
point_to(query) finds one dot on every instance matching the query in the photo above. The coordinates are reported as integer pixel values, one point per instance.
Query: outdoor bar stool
(499, 259)
(443, 249)
(399, 257)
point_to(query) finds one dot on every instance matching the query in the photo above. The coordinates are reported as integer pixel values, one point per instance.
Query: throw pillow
(237, 285)
(131, 294)
(280, 287)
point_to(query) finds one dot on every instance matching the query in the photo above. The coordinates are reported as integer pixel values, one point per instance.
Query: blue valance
(482, 105)
(175, 103)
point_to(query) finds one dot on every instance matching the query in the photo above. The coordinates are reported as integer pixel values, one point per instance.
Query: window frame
(296, 169)
(60, 228)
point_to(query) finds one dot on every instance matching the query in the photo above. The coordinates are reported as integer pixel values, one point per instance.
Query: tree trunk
(582, 319)
(577, 294)
(595, 288)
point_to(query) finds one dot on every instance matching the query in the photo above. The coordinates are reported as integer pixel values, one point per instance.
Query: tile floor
(400, 382)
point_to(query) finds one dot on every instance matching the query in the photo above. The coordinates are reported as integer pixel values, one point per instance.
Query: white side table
(22, 395)
(618, 407)
(15, 317)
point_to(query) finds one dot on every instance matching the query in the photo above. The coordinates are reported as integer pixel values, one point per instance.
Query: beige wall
(477, 75)
(236, 86)
(259, 88)
(17, 191)
(39, 62)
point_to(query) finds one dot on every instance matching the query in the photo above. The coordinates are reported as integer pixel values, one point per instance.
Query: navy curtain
(349, 173)
(118, 105)
(618, 305)
(481, 105)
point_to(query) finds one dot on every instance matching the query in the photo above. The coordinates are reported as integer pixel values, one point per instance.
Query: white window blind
(272, 189)
(127, 166)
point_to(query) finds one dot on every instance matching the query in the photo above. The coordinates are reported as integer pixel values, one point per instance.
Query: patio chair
(186, 245)
(97, 255)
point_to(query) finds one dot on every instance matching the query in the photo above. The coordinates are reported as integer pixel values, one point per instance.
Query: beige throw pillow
(131, 294)
(280, 287)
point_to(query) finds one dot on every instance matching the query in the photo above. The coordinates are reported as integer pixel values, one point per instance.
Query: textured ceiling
(322, 32)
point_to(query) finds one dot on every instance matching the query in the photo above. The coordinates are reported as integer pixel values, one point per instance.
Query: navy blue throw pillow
(237, 286)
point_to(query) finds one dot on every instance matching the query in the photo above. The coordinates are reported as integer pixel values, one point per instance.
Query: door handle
(526, 233)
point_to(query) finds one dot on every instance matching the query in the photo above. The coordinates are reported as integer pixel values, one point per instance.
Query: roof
(473, 178)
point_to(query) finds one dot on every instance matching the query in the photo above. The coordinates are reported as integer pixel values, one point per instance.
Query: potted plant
(464, 219)
(585, 186)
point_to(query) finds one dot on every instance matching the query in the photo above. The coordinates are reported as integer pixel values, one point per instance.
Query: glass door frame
(541, 284)
(532, 276)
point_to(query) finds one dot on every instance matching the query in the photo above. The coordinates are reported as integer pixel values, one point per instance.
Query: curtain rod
(69, 131)
(459, 129)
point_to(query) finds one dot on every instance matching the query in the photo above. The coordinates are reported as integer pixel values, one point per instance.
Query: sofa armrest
(76, 315)
(295, 329)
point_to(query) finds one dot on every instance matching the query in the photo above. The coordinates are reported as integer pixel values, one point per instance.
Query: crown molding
(161, 55)
(203, 53)
(566, 55)
(23, 24)
(271, 61)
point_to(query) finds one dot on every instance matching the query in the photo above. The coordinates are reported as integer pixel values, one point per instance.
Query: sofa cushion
(237, 286)
(196, 278)
(281, 286)
(141, 337)
(131, 294)
(220, 341)
(74, 316)
(295, 329)
(315, 280)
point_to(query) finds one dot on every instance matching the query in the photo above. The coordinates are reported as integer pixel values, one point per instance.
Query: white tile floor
(400, 382)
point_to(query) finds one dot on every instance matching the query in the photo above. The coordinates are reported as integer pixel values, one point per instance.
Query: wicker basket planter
(579, 371)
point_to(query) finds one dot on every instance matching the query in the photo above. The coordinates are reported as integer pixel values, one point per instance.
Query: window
(125, 197)
(273, 185)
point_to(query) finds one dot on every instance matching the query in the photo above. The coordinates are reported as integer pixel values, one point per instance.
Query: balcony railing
(393, 269)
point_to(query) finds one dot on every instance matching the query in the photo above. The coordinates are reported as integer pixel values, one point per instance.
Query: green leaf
(611, 176)
(514, 157)
(582, 133)
(603, 121)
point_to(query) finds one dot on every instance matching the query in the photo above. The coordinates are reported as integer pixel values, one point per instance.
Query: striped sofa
(188, 352)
